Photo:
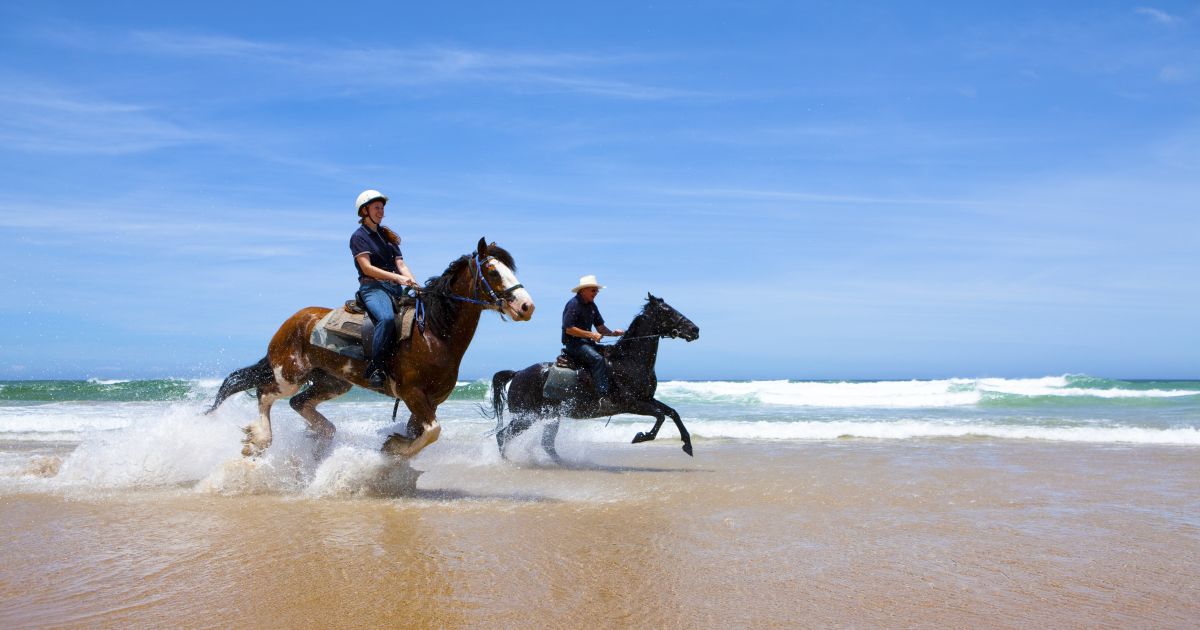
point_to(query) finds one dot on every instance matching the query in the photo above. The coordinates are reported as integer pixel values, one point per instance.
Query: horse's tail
(500, 394)
(255, 375)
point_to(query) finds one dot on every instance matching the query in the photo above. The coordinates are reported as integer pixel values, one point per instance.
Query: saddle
(567, 376)
(348, 330)
(565, 361)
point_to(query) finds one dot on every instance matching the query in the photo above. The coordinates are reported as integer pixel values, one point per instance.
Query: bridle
(674, 333)
(491, 300)
(500, 300)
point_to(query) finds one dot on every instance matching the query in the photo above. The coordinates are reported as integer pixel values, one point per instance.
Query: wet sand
(851, 533)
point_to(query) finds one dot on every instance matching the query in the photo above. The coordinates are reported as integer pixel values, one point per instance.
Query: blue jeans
(585, 352)
(378, 298)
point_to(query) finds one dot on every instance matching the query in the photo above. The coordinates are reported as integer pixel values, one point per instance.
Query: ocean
(984, 502)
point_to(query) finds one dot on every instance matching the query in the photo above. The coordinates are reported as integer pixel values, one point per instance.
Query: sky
(829, 190)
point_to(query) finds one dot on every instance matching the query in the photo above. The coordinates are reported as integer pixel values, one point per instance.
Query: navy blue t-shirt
(580, 314)
(383, 254)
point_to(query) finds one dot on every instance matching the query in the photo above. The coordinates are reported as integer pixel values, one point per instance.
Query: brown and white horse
(423, 370)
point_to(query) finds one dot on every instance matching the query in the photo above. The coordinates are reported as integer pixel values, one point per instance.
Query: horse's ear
(652, 298)
(482, 249)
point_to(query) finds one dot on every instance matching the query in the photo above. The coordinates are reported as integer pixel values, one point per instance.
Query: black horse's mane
(633, 331)
(440, 309)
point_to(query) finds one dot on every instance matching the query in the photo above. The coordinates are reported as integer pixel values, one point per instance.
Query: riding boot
(376, 378)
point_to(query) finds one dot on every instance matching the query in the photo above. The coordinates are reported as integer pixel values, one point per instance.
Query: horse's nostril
(525, 307)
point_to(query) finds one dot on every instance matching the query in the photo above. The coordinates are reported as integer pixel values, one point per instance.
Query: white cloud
(1158, 15)
(371, 68)
(1174, 74)
(785, 195)
(39, 119)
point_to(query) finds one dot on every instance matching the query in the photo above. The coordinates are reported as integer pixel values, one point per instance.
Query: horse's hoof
(641, 437)
(404, 446)
(687, 448)
(322, 445)
(252, 447)
(398, 446)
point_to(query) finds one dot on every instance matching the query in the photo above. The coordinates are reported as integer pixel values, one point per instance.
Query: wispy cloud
(785, 195)
(1158, 15)
(40, 119)
(1174, 74)
(370, 68)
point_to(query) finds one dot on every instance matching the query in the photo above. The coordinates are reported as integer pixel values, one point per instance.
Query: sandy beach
(856, 533)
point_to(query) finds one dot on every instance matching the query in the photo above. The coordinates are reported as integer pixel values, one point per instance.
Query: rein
(625, 338)
(673, 334)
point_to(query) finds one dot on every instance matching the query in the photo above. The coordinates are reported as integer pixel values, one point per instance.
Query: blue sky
(884, 190)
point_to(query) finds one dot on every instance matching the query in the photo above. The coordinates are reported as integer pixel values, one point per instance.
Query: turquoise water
(1061, 408)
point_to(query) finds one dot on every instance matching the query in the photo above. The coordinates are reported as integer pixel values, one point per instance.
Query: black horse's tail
(255, 375)
(500, 394)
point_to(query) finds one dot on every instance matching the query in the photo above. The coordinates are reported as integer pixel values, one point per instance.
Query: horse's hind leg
(518, 425)
(549, 432)
(258, 434)
(324, 387)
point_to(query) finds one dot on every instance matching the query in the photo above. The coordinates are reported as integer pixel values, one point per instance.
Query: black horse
(631, 374)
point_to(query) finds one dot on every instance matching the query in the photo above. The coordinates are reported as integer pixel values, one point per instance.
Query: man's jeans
(377, 296)
(585, 352)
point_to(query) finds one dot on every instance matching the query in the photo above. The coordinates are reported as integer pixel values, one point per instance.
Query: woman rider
(381, 275)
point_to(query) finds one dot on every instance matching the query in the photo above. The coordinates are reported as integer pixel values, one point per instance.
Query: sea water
(128, 433)
(1047, 502)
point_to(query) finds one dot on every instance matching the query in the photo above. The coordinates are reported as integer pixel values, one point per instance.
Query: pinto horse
(631, 373)
(423, 368)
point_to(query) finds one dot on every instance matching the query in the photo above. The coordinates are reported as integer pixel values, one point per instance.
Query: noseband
(498, 300)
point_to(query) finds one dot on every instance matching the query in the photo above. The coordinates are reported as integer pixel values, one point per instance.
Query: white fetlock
(401, 446)
(254, 443)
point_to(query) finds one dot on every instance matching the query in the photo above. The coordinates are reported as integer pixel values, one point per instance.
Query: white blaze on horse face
(520, 306)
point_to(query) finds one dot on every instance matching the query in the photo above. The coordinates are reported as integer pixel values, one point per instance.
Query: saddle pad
(560, 382)
(341, 331)
(339, 321)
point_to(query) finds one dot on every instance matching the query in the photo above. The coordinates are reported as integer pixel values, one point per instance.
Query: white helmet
(367, 196)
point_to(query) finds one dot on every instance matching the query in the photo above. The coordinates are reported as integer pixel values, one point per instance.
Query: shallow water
(118, 513)
(848, 534)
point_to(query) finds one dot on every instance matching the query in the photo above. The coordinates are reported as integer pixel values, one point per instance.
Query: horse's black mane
(440, 309)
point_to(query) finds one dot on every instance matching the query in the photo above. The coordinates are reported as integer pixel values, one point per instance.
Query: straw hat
(585, 282)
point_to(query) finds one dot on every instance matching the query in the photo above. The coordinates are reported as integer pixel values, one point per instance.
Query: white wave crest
(954, 392)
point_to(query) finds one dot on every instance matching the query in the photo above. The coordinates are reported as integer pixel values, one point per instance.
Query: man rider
(579, 316)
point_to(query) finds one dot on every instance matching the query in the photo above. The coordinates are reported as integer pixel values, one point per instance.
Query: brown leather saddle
(349, 330)
(565, 361)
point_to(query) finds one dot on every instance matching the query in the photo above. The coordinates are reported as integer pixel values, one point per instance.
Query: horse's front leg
(683, 432)
(647, 408)
(423, 427)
